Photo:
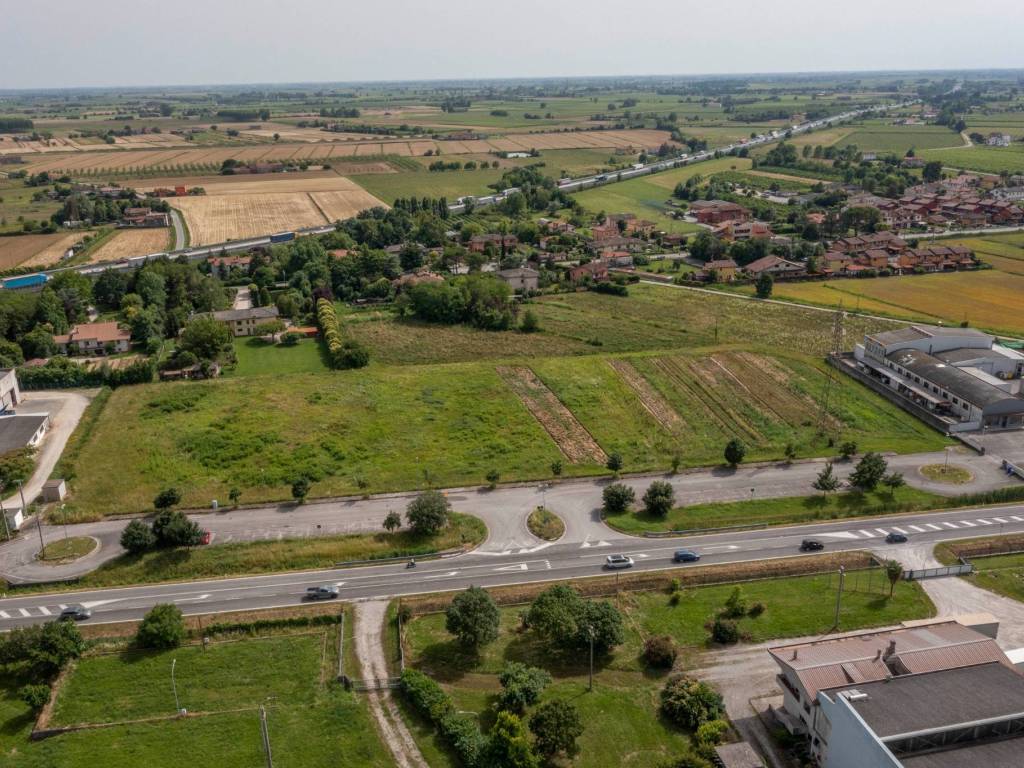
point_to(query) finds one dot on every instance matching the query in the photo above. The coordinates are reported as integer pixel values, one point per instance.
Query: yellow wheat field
(344, 204)
(131, 242)
(51, 249)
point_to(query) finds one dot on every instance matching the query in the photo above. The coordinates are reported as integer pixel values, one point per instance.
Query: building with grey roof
(17, 432)
(958, 374)
(244, 322)
(951, 718)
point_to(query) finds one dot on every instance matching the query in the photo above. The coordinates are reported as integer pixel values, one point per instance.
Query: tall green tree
(473, 617)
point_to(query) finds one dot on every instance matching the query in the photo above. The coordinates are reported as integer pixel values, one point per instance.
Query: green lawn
(310, 725)
(257, 358)
(1002, 574)
(238, 558)
(784, 511)
(620, 716)
(882, 137)
(450, 184)
(979, 158)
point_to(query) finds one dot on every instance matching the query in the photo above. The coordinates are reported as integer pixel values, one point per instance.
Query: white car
(615, 562)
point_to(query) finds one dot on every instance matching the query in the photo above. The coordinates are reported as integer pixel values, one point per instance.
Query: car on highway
(618, 561)
(685, 556)
(811, 545)
(896, 538)
(323, 592)
(75, 612)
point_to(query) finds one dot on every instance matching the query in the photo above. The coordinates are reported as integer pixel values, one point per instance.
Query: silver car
(615, 562)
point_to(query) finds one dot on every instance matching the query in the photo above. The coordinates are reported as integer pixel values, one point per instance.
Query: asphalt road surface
(543, 563)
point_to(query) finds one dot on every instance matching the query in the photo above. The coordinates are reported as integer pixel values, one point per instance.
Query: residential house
(775, 266)
(617, 243)
(878, 240)
(229, 262)
(520, 279)
(144, 217)
(479, 243)
(243, 322)
(10, 392)
(19, 431)
(596, 271)
(742, 230)
(94, 339)
(717, 211)
(998, 140)
(720, 270)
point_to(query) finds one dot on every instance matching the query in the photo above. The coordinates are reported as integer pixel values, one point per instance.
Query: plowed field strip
(651, 400)
(705, 386)
(571, 437)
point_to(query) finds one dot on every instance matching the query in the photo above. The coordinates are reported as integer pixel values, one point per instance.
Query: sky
(75, 43)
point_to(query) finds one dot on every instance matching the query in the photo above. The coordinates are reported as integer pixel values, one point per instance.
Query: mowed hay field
(318, 181)
(132, 242)
(36, 250)
(988, 299)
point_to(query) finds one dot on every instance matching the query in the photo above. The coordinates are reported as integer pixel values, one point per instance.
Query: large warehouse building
(960, 374)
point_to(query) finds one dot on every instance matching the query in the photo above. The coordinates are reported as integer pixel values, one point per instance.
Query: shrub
(161, 627)
(426, 696)
(734, 452)
(563, 618)
(428, 513)
(555, 726)
(614, 462)
(492, 477)
(35, 695)
(137, 537)
(529, 323)
(689, 703)
(521, 686)
(755, 610)
(617, 498)
(710, 733)
(472, 616)
(463, 734)
(724, 631)
(659, 498)
(167, 498)
(660, 652)
(300, 488)
(43, 648)
(171, 528)
(342, 353)
(736, 603)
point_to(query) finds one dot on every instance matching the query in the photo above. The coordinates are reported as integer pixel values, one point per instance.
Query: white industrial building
(960, 374)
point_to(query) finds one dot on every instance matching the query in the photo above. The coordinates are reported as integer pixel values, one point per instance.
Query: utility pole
(839, 595)
(174, 687)
(3, 514)
(266, 736)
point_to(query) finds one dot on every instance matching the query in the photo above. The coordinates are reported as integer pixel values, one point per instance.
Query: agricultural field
(36, 250)
(252, 184)
(646, 195)
(132, 242)
(312, 721)
(620, 715)
(897, 139)
(978, 158)
(218, 218)
(987, 299)
(16, 202)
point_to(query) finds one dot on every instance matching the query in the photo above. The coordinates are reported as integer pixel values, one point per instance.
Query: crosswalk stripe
(967, 523)
(933, 526)
(898, 530)
(951, 525)
(1018, 519)
(984, 522)
(24, 612)
(62, 606)
(44, 610)
(4, 615)
(917, 528)
(882, 531)
(999, 519)
(868, 534)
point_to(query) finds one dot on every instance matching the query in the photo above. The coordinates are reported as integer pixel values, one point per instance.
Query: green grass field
(979, 158)
(784, 511)
(392, 427)
(256, 358)
(450, 184)
(311, 723)
(884, 137)
(646, 196)
(621, 715)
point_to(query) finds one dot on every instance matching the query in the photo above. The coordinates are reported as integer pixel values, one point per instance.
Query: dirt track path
(369, 623)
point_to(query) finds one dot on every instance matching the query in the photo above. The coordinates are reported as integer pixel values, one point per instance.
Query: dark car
(896, 538)
(685, 556)
(323, 592)
(811, 545)
(75, 613)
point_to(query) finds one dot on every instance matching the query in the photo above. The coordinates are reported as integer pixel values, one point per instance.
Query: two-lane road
(556, 561)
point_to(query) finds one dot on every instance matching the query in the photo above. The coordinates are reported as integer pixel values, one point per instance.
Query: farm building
(721, 270)
(94, 339)
(960, 374)
(243, 322)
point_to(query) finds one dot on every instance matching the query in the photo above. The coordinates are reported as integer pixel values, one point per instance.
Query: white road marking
(44, 610)
(933, 526)
(967, 523)
(62, 606)
(917, 528)
(999, 519)
(4, 615)
(866, 534)
(899, 530)
(516, 567)
(984, 522)
(339, 583)
(442, 575)
(24, 612)
(882, 531)
(837, 535)
(1016, 518)
(951, 525)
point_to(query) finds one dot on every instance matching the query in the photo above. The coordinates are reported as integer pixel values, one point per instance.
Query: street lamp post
(174, 687)
(3, 514)
(590, 632)
(839, 593)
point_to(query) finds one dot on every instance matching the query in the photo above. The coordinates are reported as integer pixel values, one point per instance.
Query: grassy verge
(783, 511)
(65, 550)
(65, 466)
(998, 562)
(545, 524)
(312, 720)
(271, 556)
(950, 474)
(621, 714)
